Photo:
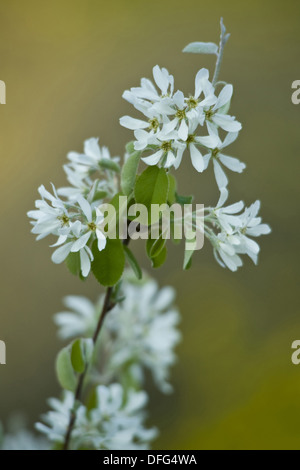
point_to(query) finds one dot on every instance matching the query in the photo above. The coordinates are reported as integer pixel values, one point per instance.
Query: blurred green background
(66, 64)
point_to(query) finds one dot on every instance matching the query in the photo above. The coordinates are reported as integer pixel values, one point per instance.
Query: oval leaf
(201, 48)
(108, 264)
(77, 357)
(152, 187)
(128, 174)
(64, 370)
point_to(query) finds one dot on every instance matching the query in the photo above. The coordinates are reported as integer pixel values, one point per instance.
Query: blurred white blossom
(116, 421)
(140, 332)
(23, 439)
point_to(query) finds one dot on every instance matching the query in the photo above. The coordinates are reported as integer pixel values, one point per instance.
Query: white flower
(76, 223)
(234, 228)
(143, 332)
(92, 155)
(87, 173)
(215, 116)
(219, 158)
(195, 104)
(193, 142)
(165, 149)
(225, 247)
(251, 226)
(77, 237)
(80, 319)
(116, 422)
(147, 94)
(49, 218)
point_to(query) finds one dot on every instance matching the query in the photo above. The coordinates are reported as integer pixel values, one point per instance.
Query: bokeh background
(66, 64)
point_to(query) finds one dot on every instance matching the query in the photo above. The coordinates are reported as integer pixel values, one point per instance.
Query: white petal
(153, 159)
(229, 139)
(206, 159)
(262, 229)
(161, 79)
(170, 159)
(60, 241)
(101, 240)
(232, 163)
(183, 130)
(179, 99)
(180, 150)
(234, 208)
(85, 263)
(76, 228)
(220, 176)
(210, 141)
(224, 96)
(91, 148)
(170, 126)
(223, 197)
(81, 242)
(201, 78)
(59, 255)
(133, 124)
(226, 122)
(197, 159)
(85, 207)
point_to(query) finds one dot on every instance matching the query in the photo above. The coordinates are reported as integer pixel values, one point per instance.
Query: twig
(223, 39)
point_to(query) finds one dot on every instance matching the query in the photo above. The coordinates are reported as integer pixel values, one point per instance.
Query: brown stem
(107, 306)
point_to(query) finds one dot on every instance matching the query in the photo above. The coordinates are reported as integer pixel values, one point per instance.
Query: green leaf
(99, 195)
(129, 171)
(152, 187)
(201, 48)
(184, 199)
(77, 359)
(160, 259)
(130, 147)
(155, 246)
(108, 164)
(133, 262)
(172, 189)
(73, 263)
(64, 370)
(108, 264)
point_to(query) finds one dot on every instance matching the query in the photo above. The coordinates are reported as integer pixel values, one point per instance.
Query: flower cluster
(72, 213)
(173, 125)
(140, 332)
(229, 230)
(173, 122)
(115, 422)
